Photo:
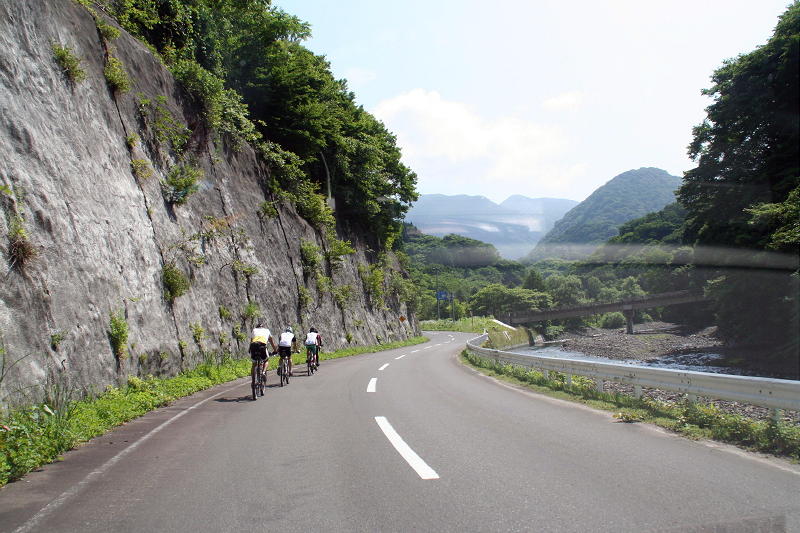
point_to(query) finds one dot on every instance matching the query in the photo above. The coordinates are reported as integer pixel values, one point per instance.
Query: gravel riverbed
(651, 342)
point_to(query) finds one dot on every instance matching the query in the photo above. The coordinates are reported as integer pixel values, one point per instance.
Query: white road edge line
(372, 383)
(405, 451)
(384, 366)
(75, 489)
(414, 351)
(401, 356)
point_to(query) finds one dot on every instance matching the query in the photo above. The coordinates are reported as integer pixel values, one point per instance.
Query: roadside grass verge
(36, 435)
(693, 420)
(474, 324)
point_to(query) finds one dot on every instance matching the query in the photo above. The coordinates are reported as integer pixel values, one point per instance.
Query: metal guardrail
(766, 392)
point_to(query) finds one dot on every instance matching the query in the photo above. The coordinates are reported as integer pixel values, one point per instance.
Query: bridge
(627, 306)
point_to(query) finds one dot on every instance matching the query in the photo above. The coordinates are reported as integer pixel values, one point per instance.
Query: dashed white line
(401, 356)
(415, 461)
(414, 351)
(372, 383)
(384, 366)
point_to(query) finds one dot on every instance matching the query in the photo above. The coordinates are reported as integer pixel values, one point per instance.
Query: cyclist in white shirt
(258, 344)
(313, 344)
(287, 343)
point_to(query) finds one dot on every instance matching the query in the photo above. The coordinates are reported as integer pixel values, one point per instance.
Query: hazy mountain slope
(629, 195)
(514, 227)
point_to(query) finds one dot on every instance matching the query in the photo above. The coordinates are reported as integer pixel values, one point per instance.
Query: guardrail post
(546, 374)
(569, 380)
(601, 385)
(637, 391)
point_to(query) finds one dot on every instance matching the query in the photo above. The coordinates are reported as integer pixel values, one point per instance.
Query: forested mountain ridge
(151, 217)
(513, 226)
(627, 196)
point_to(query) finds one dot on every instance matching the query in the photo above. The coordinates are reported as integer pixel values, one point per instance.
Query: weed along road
(402, 440)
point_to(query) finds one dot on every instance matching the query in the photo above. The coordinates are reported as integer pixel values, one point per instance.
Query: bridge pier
(628, 320)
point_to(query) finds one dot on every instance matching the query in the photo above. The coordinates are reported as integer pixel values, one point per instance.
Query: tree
(533, 281)
(739, 196)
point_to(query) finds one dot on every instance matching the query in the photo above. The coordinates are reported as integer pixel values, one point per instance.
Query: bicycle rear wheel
(254, 382)
(262, 382)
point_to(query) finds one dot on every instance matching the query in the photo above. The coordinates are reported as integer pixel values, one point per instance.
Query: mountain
(627, 196)
(513, 227)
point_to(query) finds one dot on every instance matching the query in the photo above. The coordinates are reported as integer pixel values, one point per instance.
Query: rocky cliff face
(86, 232)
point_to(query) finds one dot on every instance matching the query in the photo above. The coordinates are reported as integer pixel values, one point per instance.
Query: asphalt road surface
(403, 440)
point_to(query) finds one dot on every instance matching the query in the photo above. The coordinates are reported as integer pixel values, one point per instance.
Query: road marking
(438, 344)
(75, 489)
(372, 383)
(384, 366)
(401, 356)
(405, 451)
(414, 351)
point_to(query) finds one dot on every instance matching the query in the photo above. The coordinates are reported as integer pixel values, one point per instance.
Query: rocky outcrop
(81, 171)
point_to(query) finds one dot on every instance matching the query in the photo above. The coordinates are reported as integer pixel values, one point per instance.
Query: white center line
(384, 366)
(414, 460)
(401, 356)
(372, 383)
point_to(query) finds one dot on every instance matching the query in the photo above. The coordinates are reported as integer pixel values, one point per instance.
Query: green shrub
(304, 298)
(132, 141)
(107, 31)
(118, 334)
(225, 313)
(343, 294)
(251, 311)
(141, 169)
(180, 183)
(246, 269)
(309, 257)
(56, 339)
(267, 210)
(198, 333)
(116, 77)
(612, 320)
(337, 249)
(69, 63)
(165, 126)
(372, 278)
(324, 284)
(176, 283)
(20, 249)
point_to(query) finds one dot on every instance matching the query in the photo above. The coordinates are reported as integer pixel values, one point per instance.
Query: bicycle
(258, 378)
(311, 358)
(283, 369)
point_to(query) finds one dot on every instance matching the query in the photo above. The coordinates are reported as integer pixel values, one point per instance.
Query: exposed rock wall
(102, 236)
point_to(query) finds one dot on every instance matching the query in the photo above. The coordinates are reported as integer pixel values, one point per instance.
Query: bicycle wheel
(262, 382)
(254, 382)
(309, 363)
(284, 372)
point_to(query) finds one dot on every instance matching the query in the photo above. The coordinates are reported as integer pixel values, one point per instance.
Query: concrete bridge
(626, 306)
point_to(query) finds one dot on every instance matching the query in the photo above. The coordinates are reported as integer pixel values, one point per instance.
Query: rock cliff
(87, 230)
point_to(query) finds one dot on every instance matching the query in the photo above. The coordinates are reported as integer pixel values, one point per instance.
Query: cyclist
(313, 344)
(258, 345)
(287, 343)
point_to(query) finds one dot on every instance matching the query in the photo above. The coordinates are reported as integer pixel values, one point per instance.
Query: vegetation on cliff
(242, 63)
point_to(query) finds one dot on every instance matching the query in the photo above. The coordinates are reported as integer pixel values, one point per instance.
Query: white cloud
(358, 77)
(455, 150)
(570, 101)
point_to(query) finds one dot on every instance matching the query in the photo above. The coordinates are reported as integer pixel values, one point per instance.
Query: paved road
(478, 456)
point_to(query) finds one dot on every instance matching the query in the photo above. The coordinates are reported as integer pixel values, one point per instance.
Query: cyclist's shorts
(258, 351)
(313, 348)
(285, 351)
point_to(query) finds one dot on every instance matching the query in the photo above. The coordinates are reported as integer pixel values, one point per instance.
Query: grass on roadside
(39, 434)
(694, 420)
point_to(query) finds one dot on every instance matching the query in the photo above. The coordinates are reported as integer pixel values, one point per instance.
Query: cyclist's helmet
(289, 329)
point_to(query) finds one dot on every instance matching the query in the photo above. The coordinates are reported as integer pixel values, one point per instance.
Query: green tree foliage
(743, 193)
(242, 64)
(498, 300)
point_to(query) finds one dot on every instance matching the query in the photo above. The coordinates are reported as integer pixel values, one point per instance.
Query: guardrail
(766, 392)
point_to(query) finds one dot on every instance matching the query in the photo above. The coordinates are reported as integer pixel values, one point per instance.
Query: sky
(539, 98)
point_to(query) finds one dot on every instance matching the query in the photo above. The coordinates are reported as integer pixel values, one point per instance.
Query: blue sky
(540, 98)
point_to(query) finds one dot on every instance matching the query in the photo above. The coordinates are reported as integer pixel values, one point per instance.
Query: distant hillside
(513, 227)
(628, 196)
